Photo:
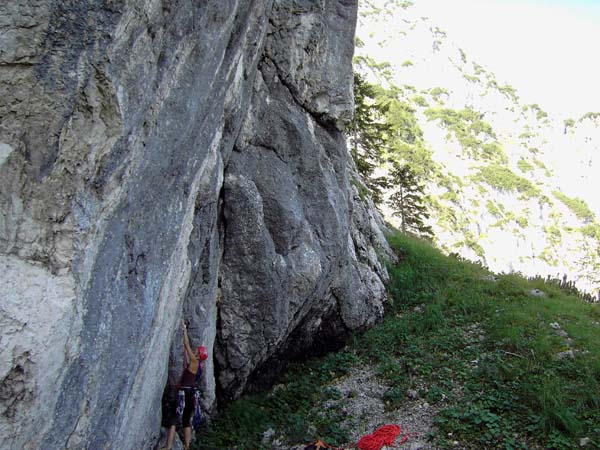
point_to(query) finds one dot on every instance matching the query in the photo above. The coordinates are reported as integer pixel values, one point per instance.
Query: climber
(188, 403)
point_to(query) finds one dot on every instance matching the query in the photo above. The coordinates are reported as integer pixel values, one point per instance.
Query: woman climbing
(188, 394)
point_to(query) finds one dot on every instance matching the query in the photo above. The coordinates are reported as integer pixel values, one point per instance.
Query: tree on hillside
(367, 134)
(407, 200)
(569, 123)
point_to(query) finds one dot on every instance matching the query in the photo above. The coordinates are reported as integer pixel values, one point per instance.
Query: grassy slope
(484, 348)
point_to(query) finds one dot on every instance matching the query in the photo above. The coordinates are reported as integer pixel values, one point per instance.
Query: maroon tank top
(187, 378)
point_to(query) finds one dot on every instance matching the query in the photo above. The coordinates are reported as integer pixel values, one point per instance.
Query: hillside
(464, 359)
(507, 183)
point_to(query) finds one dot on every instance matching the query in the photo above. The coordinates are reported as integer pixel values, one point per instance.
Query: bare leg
(187, 437)
(170, 437)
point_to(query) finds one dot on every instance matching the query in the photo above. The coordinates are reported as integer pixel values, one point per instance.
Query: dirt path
(361, 402)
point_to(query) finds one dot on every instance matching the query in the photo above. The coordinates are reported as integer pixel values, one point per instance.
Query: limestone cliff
(162, 159)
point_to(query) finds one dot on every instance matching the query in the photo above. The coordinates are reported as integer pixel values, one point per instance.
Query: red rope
(385, 435)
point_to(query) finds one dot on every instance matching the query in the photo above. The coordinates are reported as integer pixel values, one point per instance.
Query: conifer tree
(407, 200)
(368, 135)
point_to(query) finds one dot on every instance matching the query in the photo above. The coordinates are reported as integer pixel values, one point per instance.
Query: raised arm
(186, 344)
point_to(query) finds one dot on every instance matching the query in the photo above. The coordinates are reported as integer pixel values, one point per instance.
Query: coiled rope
(385, 435)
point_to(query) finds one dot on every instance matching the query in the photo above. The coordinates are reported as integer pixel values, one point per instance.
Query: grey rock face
(167, 159)
(309, 44)
(299, 260)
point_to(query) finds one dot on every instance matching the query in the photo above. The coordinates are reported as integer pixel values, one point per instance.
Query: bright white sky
(548, 50)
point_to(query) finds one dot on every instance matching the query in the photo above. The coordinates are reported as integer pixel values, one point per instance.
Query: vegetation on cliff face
(578, 206)
(503, 179)
(506, 363)
(471, 140)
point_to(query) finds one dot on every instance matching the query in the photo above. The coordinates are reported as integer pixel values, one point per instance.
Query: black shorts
(188, 410)
(170, 410)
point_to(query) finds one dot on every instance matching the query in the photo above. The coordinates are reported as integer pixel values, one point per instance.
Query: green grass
(287, 407)
(518, 388)
(484, 349)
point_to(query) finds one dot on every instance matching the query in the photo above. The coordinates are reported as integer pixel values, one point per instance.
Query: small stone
(268, 436)
(413, 394)
(562, 333)
(583, 442)
(566, 354)
(418, 309)
(537, 293)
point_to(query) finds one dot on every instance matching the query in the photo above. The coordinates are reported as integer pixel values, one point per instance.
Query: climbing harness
(385, 435)
(197, 419)
(180, 403)
(197, 411)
